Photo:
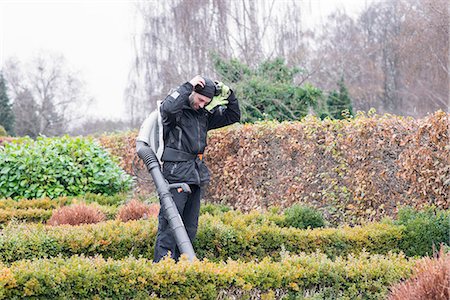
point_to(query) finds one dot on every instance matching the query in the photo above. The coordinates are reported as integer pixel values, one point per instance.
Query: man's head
(203, 95)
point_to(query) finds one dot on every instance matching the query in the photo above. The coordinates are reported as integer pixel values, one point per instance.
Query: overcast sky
(95, 37)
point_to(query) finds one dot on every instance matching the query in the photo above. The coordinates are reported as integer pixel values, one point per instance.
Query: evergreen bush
(424, 230)
(303, 217)
(54, 167)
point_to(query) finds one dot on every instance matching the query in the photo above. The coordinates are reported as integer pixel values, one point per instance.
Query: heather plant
(76, 215)
(431, 280)
(135, 210)
(54, 167)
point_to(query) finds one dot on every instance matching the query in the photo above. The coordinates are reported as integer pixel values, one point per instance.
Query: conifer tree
(339, 102)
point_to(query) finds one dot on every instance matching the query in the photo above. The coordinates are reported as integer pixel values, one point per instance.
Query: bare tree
(47, 97)
(394, 57)
(178, 37)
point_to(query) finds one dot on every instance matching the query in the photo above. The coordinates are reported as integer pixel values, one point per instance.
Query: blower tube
(168, 206)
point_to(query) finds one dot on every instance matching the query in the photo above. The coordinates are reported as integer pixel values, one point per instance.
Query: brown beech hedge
(356, 169)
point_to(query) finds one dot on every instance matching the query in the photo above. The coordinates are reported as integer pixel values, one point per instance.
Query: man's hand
(226, 92)
(197, 80)
(221, 99)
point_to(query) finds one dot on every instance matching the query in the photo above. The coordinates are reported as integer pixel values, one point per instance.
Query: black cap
(209, 90)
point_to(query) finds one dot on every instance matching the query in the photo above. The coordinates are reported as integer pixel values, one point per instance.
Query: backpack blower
(149, 147)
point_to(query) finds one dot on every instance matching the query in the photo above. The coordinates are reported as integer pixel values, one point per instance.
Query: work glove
(221, 99)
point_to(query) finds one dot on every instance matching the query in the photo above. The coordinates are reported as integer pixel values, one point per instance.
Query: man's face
(198, 101)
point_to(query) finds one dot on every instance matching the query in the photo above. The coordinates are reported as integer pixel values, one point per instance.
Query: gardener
(187, 114)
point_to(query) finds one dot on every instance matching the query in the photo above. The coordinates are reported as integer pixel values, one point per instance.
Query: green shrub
(423, 230)
(303, 217)
(354, 277)
(54, 167)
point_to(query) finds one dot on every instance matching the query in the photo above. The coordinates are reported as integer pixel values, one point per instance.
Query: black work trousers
(188, 206)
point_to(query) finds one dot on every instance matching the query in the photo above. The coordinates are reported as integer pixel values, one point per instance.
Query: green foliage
(6, 112)
(268, 92)
(54, 167)
(233, 70)
(354, 277)
(303, 217)
(339, 104)
(111, 200)
(423, 230)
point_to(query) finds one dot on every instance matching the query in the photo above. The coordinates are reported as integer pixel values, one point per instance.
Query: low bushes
(355, 277)
(219, 241)
(110, 239)
(233, 234)
(215, 240)
(33, 210)
(40, 210)
(33, 215)
(27, 215)
(43, 203)
(54, 167)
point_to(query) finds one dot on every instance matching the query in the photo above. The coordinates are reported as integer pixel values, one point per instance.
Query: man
(187, 114)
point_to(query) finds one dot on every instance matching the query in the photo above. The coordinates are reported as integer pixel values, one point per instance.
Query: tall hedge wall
(355, 169)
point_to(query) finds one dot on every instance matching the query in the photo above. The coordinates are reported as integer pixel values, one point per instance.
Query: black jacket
(185, 129)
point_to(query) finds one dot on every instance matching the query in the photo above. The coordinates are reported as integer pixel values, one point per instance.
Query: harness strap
(171, 154)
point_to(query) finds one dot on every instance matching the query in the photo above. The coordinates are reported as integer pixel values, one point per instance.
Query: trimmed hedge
(355, 277)
(215, 240)
(110, 239)
(27, 215)
(43, 203)
(219, 241)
